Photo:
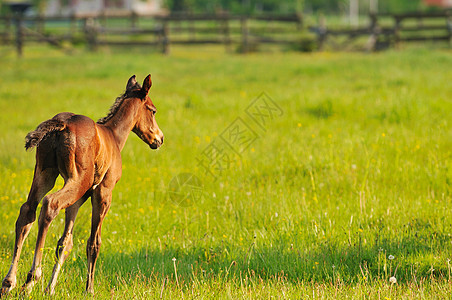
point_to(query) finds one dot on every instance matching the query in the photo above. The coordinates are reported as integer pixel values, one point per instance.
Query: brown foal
(88, 157)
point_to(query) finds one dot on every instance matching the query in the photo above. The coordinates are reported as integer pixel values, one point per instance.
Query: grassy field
(347, 185)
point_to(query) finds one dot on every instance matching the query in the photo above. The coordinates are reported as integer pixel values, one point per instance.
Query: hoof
(89, 292)
(7, 286)
(5, 291)
(49, 291)
(27, 288)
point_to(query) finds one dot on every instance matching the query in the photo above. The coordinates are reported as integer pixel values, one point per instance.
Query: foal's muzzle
(157, 143)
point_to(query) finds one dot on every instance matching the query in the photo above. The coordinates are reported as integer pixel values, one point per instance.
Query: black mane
(117, 104)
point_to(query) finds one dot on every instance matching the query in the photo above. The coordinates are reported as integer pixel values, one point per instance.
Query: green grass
(357, 168)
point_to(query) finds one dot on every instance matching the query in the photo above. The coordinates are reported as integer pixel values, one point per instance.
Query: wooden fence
(246, 33)
(385, 30)
(128, 29)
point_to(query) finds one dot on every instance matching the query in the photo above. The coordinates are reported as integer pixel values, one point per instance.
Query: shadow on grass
(408, 258)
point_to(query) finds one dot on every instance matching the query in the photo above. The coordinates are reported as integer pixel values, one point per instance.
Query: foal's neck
(123, 121)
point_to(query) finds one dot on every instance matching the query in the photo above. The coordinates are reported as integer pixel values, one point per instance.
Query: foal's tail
(33, 138)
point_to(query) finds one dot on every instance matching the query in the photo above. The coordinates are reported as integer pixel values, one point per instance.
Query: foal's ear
(131, 83)
(147, 83)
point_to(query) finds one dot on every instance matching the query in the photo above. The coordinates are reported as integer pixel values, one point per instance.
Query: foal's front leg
(101, 201)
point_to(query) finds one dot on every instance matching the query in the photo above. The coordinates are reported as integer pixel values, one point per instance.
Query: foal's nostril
(158, 141)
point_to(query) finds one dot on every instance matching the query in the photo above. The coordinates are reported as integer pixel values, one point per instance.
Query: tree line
(290, 6)
(274, 6)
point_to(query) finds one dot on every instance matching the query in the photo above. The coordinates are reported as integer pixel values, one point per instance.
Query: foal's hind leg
(51, 206)
(43, 182)
(65, 243)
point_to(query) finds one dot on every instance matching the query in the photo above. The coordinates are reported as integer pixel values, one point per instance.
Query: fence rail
(246, 32)
(421, 27)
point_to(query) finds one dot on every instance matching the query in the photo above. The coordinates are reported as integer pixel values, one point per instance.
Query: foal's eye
(152, 110)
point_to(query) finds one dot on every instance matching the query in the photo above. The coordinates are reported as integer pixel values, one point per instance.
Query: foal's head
(146, 126)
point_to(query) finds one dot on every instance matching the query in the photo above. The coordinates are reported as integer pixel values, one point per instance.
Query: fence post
(225, 29)
(133, 19)
(73, 26)
(299, 21)
(165, 40)
(40, 24)
(19, 34)
(91, 33)
(322, 32)
(18, 10)
(374, 33)
(245, 41)
(398, 24)
(449, 26)
(191, 29)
